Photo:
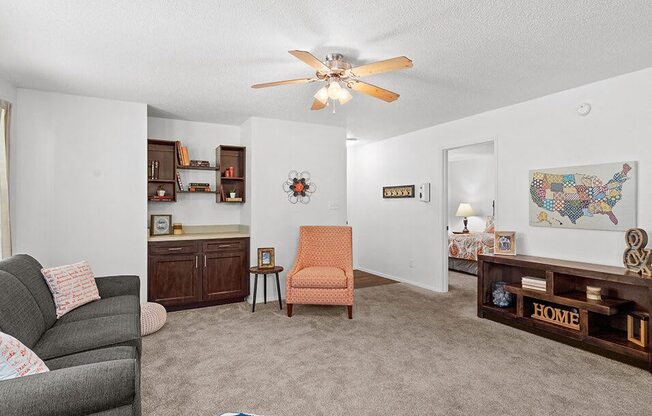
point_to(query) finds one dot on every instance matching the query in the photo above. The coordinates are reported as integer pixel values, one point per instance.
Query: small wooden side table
(265, 271)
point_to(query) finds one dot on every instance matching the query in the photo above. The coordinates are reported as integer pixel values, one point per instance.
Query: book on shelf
(533, 283)
(179, 181)
(199, 184)
(161, 198)
(529, 287)
(199, 189)
(156, 163)
(186, 159)
(200, 163)
(179, 152)
(533, 280)
(239, 199)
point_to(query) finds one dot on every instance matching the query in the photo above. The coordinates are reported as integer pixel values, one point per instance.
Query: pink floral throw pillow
(71, 286)
(16, 360)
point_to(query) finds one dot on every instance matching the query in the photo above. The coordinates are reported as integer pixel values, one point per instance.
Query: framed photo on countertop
(160, 224)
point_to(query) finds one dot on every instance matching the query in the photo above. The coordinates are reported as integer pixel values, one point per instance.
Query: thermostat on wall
(424, 192)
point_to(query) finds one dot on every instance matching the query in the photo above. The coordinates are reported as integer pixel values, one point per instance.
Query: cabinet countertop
(198, 236)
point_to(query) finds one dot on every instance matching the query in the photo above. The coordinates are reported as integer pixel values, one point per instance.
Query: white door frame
(444, 197)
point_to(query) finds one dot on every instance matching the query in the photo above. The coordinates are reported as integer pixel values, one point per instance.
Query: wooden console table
(602, 324)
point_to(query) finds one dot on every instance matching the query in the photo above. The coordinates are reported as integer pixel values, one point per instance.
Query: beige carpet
(407, 351)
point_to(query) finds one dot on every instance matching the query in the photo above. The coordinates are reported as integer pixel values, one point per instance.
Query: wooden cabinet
(562, 310)
(197, 273)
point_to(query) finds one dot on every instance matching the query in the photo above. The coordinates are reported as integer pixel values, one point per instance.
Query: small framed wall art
(266, 258)
(401, 191)
(160, 224)
(505, 242)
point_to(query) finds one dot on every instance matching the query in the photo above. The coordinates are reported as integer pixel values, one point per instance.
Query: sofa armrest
(71, 391)
(110, 286)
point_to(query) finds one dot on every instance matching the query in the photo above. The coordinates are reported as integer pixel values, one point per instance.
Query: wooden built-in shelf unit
(602, 323)
(225, 156)
(166, 153)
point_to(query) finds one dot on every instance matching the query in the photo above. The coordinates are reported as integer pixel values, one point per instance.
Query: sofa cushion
(16, 360)
(119, 305)
(320, 277)
(20, 315)
(94, 356)
(88, 334)
(71, 285)
(26, 269)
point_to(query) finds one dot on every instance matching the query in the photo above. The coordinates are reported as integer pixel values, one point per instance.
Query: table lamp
(465, 210)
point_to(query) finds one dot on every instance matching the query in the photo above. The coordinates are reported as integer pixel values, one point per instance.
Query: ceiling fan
(339, 77)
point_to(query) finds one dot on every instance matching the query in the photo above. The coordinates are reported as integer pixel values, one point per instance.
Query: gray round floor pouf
(152, 318)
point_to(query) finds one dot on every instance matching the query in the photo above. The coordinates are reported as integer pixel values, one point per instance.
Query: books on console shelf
(533, 283)
(206, 184)
(199, 189)
(540, 289)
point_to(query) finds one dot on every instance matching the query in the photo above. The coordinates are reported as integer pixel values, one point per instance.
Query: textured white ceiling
(196, 60)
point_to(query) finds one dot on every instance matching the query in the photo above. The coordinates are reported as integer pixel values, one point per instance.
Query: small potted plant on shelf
(160, 191)
(232, 193)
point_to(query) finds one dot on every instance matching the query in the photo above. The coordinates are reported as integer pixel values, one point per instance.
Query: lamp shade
(464, 210)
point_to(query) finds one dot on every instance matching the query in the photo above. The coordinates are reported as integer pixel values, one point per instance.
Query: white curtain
(5, 229)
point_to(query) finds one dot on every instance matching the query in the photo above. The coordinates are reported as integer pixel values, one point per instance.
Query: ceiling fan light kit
(339, 77)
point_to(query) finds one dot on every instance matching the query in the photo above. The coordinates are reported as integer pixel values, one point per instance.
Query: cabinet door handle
(225, 245)
(196, 262)
(204, 260)
(175, 248)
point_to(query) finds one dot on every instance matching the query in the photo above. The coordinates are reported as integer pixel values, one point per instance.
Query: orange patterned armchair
(323, 271)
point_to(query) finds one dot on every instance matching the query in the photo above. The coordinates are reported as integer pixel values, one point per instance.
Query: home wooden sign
(556, 316)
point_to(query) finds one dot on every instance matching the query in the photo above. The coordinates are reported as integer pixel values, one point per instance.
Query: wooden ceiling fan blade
(317, 105)
(394, 64)
(373, 90)
(310, 59)
(286, 82)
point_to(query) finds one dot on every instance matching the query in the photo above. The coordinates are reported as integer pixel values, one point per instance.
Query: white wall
(275, 148)
(471, 180)
(7, 91)
(546, 132)
(79, 182)
(201, 139)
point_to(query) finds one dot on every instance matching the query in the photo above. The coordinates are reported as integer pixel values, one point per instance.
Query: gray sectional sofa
(93, 352)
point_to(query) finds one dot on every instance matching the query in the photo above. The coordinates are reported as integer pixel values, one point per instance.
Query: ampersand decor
(299, 187)
(636, 257)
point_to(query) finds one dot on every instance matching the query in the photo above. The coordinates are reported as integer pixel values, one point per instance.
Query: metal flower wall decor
(299, 187)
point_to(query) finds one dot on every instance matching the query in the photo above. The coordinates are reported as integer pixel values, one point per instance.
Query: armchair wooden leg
(289, 308)
(350, 309)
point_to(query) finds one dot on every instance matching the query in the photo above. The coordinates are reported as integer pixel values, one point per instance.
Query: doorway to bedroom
(470, 209)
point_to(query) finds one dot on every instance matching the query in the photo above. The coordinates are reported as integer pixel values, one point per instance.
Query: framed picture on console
(160, 224)
(505, 242)
(266, 258)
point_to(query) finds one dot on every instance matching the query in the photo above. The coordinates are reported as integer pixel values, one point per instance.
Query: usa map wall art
(594, 197)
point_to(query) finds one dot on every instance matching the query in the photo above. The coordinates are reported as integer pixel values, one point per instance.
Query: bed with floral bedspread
(468, 246)
(463, 250)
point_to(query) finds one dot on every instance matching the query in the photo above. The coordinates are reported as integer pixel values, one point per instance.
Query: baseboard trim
(399, 279)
